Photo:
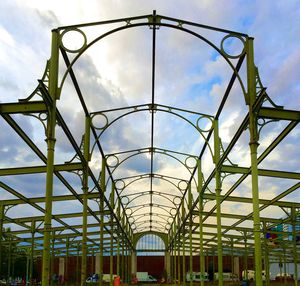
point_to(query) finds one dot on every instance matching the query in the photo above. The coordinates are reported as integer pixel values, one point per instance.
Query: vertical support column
(32, 252)
(122, 258)
(170, 274)
(52, 258)
(93, 261)
(77, 263)
(1, 235)
(168, 264)
(9, 257)
(253, 149)
(213, 265)
(183, 246)
(51, 122)
(118, 239)
(218, 200)
(284, 260)
(111, 257)
(190, 202)
(128, 263)
(200, 184)
(266, 256)
(178, 262)
(175, 259)
(101, 205)
(295, 256)
(27, 268)
(66, 278)
(133, 262)
(231, 259)
(179, 256)
(246, 256)
(85, 189)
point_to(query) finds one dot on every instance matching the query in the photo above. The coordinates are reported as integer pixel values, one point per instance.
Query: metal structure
(187, 210)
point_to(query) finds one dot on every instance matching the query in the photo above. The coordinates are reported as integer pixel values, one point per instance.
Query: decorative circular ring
(170, 220)
(120, 184)
(72, 30)
(128, 211)
(43, 116)
(168, 226)
(182, 185)
(131, 220)
(232, 36)
(176, 200)
(99, 121)
(112, 161)
(173, 212)
(125, 200)
(261, 121)
(201, 128)
(190, 162)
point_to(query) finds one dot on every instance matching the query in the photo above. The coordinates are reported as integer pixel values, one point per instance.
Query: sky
(117, 72)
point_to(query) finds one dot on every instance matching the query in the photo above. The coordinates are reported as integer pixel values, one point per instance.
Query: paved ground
(272, 283)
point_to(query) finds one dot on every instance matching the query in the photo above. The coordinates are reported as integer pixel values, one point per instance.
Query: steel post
(266, 256)
(32, 252)
(111, 258)
(190, 202)
(179, 257)
(182, 234)
(175, 265)
(101, 205)
(217, 145)
(284, 261)
(27, 269)
(246, 257)
(77, 263)
(122, 258)
(251, 80)
(51, 122)
(67, 260)
(295, 256)
(175, 257)
(118, 239)
(9, 258)
(231, 258)
(1, 235)
(199, 185)
(52, 258)
(85, 189)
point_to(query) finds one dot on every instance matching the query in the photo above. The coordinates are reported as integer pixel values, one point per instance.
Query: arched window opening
(150, 245)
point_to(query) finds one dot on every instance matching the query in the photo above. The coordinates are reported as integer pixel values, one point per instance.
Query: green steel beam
(64, 228)
(58, 217)
(23, 107)
(279, 114)
(287, 204)
(67, 167)
(9, 202)
(261, 172)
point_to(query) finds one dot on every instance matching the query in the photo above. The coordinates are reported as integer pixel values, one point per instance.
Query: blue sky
(117, 72)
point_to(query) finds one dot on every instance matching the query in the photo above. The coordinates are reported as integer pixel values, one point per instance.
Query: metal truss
(185, 210)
